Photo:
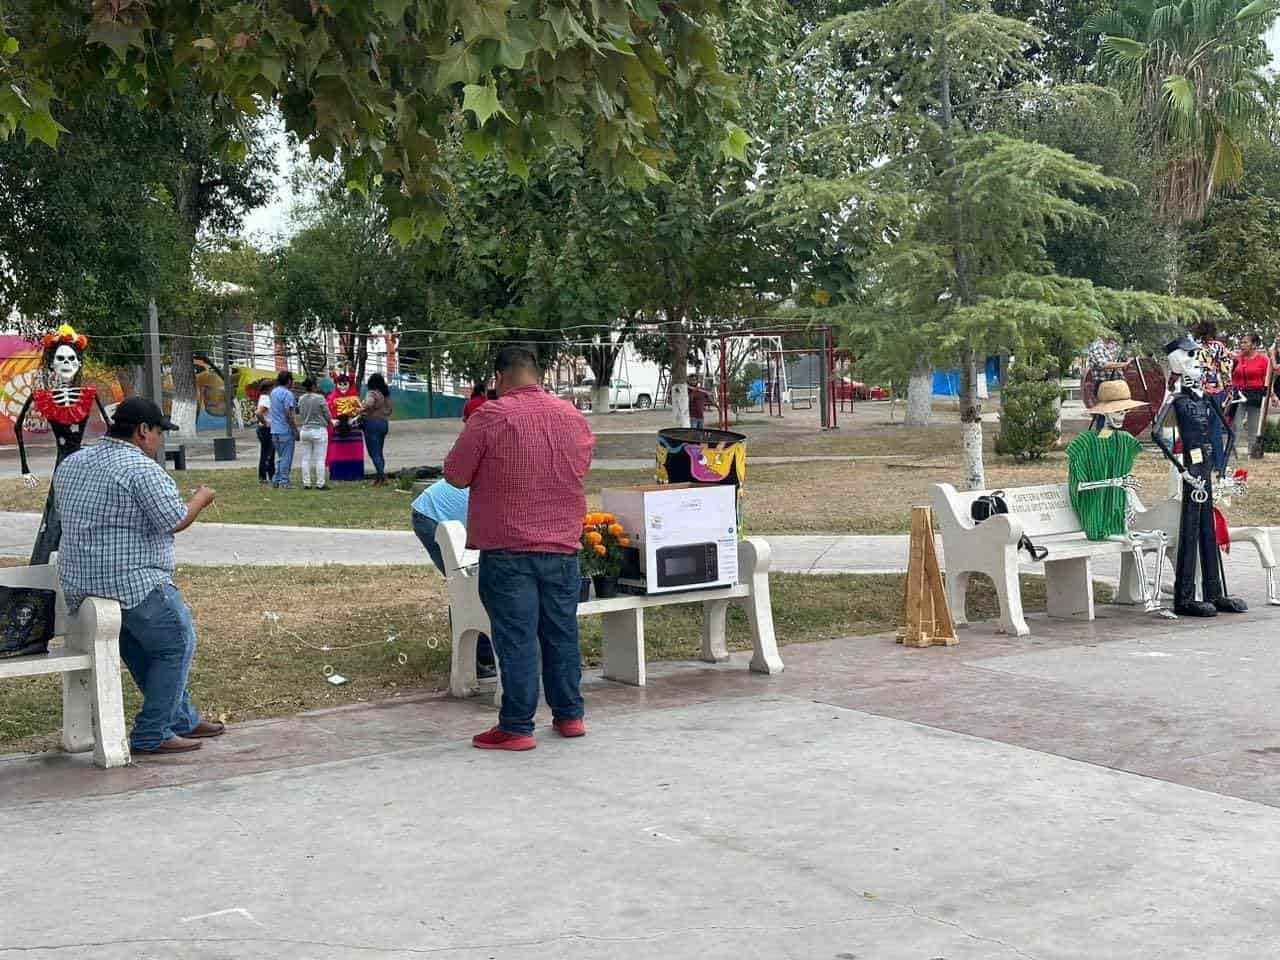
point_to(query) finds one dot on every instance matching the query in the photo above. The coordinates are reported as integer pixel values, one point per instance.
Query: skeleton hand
(30, 481)
(1198, 492)
(1131, 483)
(1234, 486)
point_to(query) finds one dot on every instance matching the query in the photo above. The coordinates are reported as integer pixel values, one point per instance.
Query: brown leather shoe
(173, 745)
(206, 728)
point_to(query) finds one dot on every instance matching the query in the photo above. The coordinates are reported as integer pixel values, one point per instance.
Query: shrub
(1271, 436)
(1029, 418)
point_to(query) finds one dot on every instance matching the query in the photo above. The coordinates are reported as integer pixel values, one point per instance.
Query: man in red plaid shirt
(524, 457)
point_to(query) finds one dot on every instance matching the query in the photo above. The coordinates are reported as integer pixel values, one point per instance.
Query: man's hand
(202, 497)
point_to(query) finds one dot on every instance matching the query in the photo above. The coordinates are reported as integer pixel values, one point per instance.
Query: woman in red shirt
(1250, 376)
(477, 401)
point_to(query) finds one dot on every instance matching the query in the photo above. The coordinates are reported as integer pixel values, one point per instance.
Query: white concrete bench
(1043, 513)
(623, 625)
(89, 661)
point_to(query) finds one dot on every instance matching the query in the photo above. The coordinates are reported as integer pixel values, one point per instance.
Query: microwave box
(684, 536)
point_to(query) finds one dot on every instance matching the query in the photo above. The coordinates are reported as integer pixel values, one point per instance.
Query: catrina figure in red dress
(66, 406)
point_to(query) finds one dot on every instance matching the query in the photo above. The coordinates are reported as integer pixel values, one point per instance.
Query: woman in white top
(313, 434)
(266, 449)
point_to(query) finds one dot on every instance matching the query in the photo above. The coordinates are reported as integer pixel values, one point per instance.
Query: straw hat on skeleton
(1114, 396)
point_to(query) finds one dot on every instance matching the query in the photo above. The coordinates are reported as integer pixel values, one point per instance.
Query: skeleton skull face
(1115, 419)
(1185, 364)
(65, 363)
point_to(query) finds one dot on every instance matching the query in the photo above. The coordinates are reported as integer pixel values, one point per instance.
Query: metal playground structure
(776, 367)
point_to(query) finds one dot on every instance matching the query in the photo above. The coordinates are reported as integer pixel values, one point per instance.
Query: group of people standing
(1236, 381)
(287, 421)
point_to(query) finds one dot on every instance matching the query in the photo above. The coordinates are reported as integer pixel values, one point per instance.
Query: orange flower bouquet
(602, 541)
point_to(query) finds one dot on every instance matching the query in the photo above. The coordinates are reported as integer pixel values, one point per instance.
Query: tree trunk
(971, 423)
(679, 342)
(600, 398)
(362, 358)
(920, 395)
(182, 369)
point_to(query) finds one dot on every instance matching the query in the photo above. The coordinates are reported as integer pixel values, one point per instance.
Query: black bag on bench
(992, 503)
(26, 621)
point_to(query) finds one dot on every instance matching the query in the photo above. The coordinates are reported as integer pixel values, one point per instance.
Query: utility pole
(153, 380)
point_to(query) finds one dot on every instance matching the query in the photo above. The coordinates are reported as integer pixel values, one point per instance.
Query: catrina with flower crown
(66, 406)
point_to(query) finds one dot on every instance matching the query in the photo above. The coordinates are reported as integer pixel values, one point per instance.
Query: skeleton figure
(1104, 491)
(67, 406)
(1193, 414)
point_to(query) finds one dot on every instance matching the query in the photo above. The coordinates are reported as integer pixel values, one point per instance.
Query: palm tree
(1194, 70)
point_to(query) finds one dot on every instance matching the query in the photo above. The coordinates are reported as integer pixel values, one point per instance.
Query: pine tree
(962, 212)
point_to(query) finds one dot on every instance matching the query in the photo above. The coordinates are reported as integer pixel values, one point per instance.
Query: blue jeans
(375, 438)
(1217, 436)
(283, 442)
(532, 602)
(425, 528)
(157, 642)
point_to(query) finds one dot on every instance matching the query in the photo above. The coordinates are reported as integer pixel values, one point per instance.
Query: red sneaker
(496, 739)
(570, 728)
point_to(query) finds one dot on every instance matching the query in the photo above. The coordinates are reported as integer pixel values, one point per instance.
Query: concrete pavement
(1065, 796)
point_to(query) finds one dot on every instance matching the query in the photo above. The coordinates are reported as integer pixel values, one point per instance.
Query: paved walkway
(1103, 790)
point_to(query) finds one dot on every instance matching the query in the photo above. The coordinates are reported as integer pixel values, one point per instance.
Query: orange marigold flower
(600, 549)
(594, 538)
(615, 530)
(607, 518)
(624, 542)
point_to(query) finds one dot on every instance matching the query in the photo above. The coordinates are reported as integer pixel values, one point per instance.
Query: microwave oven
(683, 537)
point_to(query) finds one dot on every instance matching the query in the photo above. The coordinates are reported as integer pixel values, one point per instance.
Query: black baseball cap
(139, 411)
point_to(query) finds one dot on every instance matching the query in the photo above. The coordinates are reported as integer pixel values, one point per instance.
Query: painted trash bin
(693, 455)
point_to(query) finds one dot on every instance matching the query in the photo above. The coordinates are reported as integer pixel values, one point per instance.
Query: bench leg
(1133, 589)
(715, 613)
(462, 664)
(957, 593)
(1069, 588)
(753, 564)
(77, 711)
(1009, 592)
(96, 628)
(623, 642)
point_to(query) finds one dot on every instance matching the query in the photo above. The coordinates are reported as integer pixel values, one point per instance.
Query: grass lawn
(865, 496)
(250, 665)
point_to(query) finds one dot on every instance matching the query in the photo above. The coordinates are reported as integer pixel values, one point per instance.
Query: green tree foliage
(1230, 255)
(109, 220)
(343, 272)
(964, 214)
(373, 83)
(1029, 415)
(1195, 72)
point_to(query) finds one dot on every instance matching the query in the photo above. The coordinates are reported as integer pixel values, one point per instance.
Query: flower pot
(584, 590)
(606, 586)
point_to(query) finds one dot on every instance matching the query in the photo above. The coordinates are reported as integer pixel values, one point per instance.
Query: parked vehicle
(857, 390)
(623, 393)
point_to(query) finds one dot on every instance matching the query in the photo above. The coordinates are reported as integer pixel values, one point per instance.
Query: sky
(266, 223)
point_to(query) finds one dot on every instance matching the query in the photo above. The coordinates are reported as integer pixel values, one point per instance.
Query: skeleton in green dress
(1104, 490)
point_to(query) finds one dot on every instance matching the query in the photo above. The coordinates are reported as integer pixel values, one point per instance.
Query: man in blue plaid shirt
(120, 510)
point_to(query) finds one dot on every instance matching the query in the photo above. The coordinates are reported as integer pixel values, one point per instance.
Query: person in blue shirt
(439, 502)
(284, 427)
